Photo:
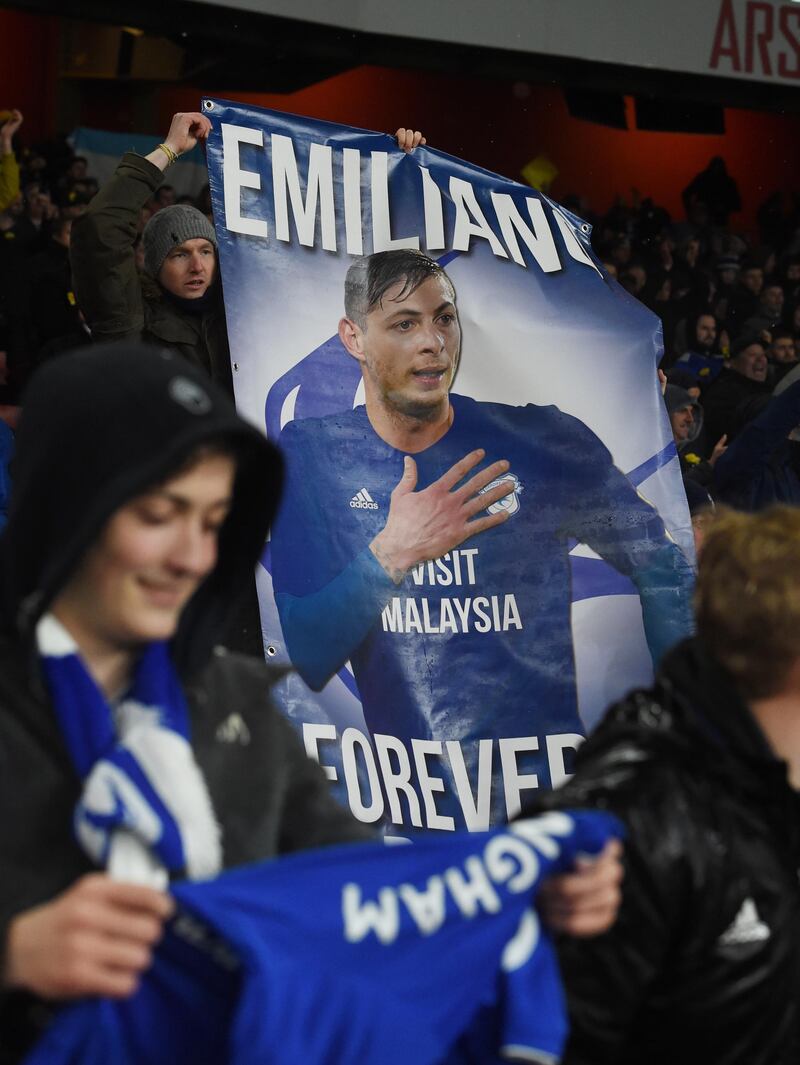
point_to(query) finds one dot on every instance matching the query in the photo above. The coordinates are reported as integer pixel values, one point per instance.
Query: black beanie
(100, 426)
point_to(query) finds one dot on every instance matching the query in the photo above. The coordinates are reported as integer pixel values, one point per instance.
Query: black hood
(99, 427)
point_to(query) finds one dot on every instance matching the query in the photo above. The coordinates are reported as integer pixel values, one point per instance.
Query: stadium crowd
(729, 303)
(704, 768)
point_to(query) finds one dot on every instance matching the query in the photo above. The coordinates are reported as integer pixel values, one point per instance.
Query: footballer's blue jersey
(477, 644)
(428, 954)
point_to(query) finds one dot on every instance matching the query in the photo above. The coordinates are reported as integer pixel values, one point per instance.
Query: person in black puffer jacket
(703, 964)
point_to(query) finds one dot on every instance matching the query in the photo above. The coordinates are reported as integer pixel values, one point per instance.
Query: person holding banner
(445, 575)
(129, 744)
(177, 302)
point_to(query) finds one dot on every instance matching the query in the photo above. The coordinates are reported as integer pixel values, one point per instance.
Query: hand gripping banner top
(414, 318)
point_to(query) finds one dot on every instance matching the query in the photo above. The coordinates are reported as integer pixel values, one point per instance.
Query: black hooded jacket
(703, 964)
(730, 402)
(98, 428)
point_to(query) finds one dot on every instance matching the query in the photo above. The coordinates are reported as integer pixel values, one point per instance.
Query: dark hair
(227, 445)
(370, 278)
(745, 341)
(781, 331)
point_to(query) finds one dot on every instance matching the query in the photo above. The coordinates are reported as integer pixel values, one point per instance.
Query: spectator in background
(204, 203)
(6, 451)
(78, 169)
(704, 769)
(164, 196)
(715, 190)
(32, 226)
(657, 295)
(729, 399)
(745, 300)
(702, 357)
(634, 278)
(790, 279)
(792, 321)
(620, 253)
(769, 312)
(727, 274)
(771, 219)
(54, 320)
(782, 353)
(760, 467)
(9, 168)
(686, 420)
(12, 265)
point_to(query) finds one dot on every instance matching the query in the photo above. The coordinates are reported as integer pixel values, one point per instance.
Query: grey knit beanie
(171, 226)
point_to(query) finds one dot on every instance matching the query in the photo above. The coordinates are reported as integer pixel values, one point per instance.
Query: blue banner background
(572, 337)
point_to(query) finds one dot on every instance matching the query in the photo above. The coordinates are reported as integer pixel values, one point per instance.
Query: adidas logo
(233, 730)
(747, 927)
(363, 501)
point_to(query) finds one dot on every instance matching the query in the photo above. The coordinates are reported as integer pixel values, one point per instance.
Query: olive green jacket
(9, 180)
(119, 302)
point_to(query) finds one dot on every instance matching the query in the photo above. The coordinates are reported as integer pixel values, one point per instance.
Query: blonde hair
(747, 598)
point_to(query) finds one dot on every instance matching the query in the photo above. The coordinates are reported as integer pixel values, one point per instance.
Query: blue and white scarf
(145, 811)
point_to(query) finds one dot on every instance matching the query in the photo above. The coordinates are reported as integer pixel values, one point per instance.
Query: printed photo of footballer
(424, 537)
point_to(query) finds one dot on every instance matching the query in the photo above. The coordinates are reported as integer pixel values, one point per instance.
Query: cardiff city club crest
(509, 503)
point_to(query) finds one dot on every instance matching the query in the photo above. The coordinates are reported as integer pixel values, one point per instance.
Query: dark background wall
(63, 73)
(503, 125)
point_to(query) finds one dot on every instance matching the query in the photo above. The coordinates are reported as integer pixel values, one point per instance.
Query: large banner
(467, 567)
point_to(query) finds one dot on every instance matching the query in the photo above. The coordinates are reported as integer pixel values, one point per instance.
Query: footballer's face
(409, 349)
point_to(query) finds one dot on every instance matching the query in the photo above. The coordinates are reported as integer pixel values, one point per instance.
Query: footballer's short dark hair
(370, 278)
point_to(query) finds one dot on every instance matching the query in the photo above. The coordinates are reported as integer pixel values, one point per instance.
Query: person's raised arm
(9, 167)
(186, 130)
(107, 283)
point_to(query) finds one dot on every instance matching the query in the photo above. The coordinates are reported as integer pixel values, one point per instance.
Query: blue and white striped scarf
(145, 811)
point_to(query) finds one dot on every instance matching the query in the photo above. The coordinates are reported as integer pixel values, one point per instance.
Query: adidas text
(363, 501)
